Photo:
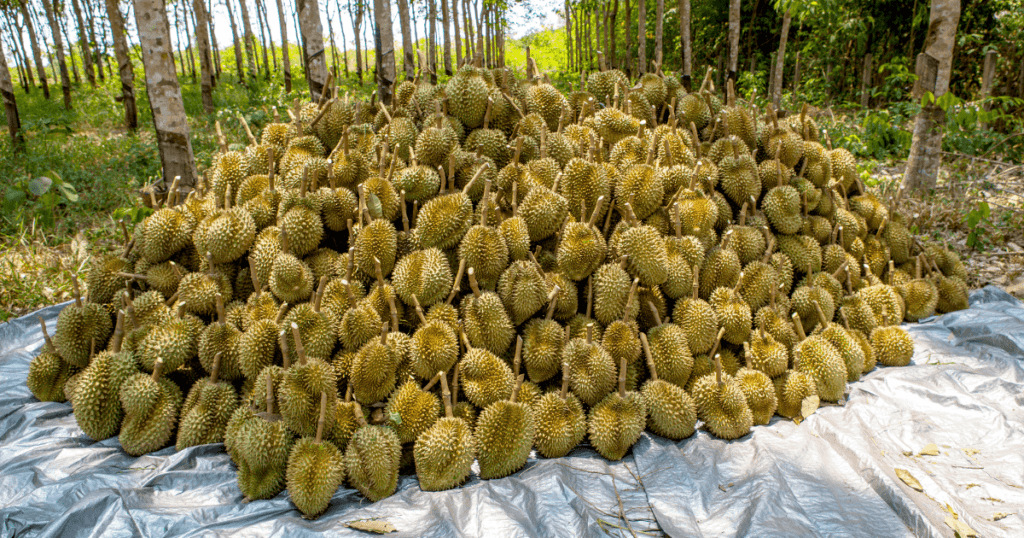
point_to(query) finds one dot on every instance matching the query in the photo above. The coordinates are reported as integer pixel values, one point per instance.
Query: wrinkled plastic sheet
(831, 475)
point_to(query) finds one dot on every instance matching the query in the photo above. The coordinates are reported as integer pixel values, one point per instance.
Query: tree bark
(264, 31)
(83, 43)
(312, 33)
(270, 36)
(10, 105)
(205, 60)
(408, 61)
(24, 51)
(330, 38)
(432, 40)
(213, 39)
(456, 38)
(629, 38)
(385, 45)
(285, 57)
(188, 39)
(58, 45)
(446, 52)
(40, 69)
(237, 45)
(67, 39)
(470, 33)
(686, 45)
(780, 59)
(124, 64)
(90, 16)
(250, 40)
(344, 45)
(734, 37)
(658, 32)
(926, 148)
(357, 19)
(165, 102)
(865, 81)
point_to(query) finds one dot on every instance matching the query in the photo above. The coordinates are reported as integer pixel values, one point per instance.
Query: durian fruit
(372, 459)
(670, 409)
(697, 318)
(641, 186)
(315, 328)
(560, 422)
(220, 338)
(377, 240)
(257, 346)
(543, 340)
(920, 295)
(301, 387)
(504, 432)
(679, 266)
(174, 342)
(349, 168)
(611, 284)
(95, 401)
(845, 344)
(892, 345)
(424, 275)
(766, 354)
(299, 217)
(47, 373)
(445, 219)
(411, 410)
(797, 394)
(740, 181)
(485, 319)
(489, 142)
(484, 248)
(759, 391)
(207, 410)
(290, 279)
(732, 312)
(862, 341)
(582, 246)
(818, 357)
(721, 268)
(433, 347)
(197, 290)
(747, 241)
(374, 369)
(467, 92)
(78, 325)
(644, 248)
(759, 278)
(620, 338)
(670, 350)
(444, 453)
(315, 469)
(522, 290)
(436, 142)
(515, 231)
(544, 210)
(591, 368)
(359, 324)
(164, 233)
(106, 276)
(485, 377)
(952, 290)
(617, 421)
(151, 406)
(259, 444)
(721, 404)
(227, 234)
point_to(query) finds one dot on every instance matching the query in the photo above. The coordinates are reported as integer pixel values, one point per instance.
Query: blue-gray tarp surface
(834, 474)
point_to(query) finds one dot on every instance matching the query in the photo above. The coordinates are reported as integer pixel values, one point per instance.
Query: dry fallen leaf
(931, 449)
(909, 479)
(378, 526)
(999, 515)
(809, 405)
(971, 451)
(960, 527)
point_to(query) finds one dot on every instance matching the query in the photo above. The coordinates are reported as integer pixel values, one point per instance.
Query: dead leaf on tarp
(378, 526)
(809, 405)
(971, 451)
(961, 528)
(999, 515)
(909, 479)
(931, 449)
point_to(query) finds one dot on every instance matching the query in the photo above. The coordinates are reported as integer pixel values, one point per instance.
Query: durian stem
(552, 302)
(300, 350)
(654, 311)
(484, 202)
(319, 294)
(446, 395)
(270, 394)
(473, 283)
(650, 357)
(252, 276)
(215, 371)
(76, 292)
(519, 150)
(881, 227)
(629, 299)
(678, 221)
(458, 281)
(221, 317)
(248, 131)
(885, 316)
(769, 250)
(515, 390)
(433, 381)
(358, 413)
(799, 326)
(730, 92)
(821, 313)
(696, 282)
(285, 246)
(743, 214)
(746, 354)
(46, 335)
(394, 312)
(220, 137)
(451, 172)
(348, 392)
(718, 342)
(455, 384)
(608, 218)
(115, 345)
(158, 368)
(849, 283)
(323, 406)
(590, 296)
(739, 282)
(622, 377)
(135, 276)
(696, 140)
(384, 334)
(181, 310)
(590, 333)
(419, 310)
(668, 155)
(380, 274)
(842, 314)
(281, 311)
(512, 102)
(484, 166)
(270, 172)
(839, 271)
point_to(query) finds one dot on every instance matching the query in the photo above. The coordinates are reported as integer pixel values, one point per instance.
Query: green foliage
(37, 198)
(978, 222)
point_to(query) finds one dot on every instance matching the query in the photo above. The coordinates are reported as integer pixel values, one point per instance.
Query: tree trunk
(237, 45)
(499, 21)
(90, 16)
(40, 69)
(686, 45)
(432, 40)
(285, 57)
(67, 39)
(179, 40)
(357, 19)
(165, 102)
(124, 64)
(24, 51)
(926, 147)
(330, 38)
(734, 37)
(446, 39)
(456, 38)
(83, 43)
(470, 33)
(796, 73)
(58, 45)
(10, 105)
(312, 34)
(20, 62)
(366, 43)
(658, 32)
(629, 38)
(385, 46)
(205, 60)
(263, 42)
(188, 37)
(270, 35)
(1020, 76)
(302, 38)
(250, 40)
(780, 59)
(865, 81)
(344, 45)
(213, 39)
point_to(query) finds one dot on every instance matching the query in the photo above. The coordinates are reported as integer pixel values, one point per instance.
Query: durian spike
(358, 413)
(590, 333)
(821, 313)
(622, 377)
(696, 281)
(654, 310)
(515, 390)
(394, 313)
(270, 395)
(552, 302)
(517, 359)
(590, 296)
(158, 368)
(323, 407)
(76, 292)
(846, 322)
(799, 326)
(300, 350)
(629, 299)
(46, 335)
(458, 281)
(446, 395)
(473, 283)
(484, 202)
(419, 309)
(484, 166)
(565, 380)
(696, 140)
(215, 371)
(842, 267)
(221, 317)
(319, 293)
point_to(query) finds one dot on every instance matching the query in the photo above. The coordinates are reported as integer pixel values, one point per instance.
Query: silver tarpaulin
(835, 474)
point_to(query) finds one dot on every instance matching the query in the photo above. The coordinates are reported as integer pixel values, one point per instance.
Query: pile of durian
(487, 268)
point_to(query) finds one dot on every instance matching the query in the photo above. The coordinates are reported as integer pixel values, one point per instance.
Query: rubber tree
(58, 46)
(285, 57)
(641, 37)
(734, 37)
(83, 43)
(935, 63)
(236, 44)
(313, 37)
(10, 105)
(787, 7)
(169, 119)
(36, 52)
(686, 46)
(408, 56)
(205, 55)
(124, 64)
(385, 44)
(249, 39)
